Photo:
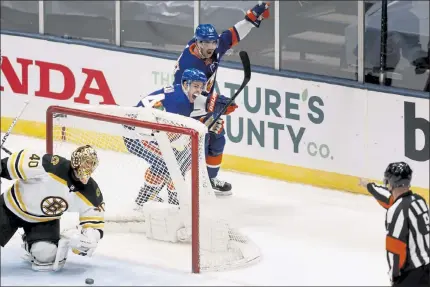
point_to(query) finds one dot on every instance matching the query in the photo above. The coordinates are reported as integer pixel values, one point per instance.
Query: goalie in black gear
(46, 186)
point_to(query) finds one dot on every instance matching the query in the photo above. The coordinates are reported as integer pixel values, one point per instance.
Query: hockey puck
(89, 281)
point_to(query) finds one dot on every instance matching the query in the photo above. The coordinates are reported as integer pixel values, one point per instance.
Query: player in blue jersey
(178, 99)
(204, 52)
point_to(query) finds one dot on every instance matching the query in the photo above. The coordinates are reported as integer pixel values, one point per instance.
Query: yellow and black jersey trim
(18, 207)
(58, 166)
(57, 178)
(16, 162)
(84, 199)
(96, 222)
(90, 194)
(16, 196)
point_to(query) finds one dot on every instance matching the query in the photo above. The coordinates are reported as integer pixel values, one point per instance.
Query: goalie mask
(84, 161)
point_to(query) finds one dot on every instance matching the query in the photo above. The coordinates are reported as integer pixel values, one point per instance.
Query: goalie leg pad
(44, 251)
(42, 255)
(47, 256)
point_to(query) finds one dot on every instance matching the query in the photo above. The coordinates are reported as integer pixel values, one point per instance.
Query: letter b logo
(412, 123)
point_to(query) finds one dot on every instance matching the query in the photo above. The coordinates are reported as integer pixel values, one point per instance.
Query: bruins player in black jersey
(45, 187)
(408, 227)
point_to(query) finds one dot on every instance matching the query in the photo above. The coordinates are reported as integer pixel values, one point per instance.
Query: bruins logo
(55, 160)
(54, 206)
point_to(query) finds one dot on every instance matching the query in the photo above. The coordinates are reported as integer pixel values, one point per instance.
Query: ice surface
(307, 235)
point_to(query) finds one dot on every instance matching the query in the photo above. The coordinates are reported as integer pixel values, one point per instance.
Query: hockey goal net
(154, 160)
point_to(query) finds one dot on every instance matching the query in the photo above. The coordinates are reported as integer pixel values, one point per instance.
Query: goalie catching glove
(83, 241)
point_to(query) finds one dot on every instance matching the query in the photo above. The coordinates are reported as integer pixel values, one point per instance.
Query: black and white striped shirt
(408, 230)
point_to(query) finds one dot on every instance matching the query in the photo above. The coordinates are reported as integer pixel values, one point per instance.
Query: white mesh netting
(139, 165)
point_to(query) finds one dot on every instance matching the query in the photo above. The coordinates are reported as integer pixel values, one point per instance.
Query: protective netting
(139, 165)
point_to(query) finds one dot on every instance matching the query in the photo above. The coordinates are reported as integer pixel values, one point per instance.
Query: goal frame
(195, 208)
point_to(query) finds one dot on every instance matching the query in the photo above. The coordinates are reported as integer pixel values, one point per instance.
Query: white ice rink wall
(286, 128)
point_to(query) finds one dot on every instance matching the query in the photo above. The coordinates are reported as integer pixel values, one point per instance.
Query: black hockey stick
(6, 150)
(247, 71)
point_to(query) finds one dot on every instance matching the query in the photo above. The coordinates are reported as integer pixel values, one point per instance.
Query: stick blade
(246, 64)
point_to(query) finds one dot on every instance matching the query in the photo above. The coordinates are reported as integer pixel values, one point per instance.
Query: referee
(408, 227)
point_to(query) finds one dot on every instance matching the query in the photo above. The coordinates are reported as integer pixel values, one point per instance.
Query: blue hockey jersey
(171, 99)
(188, 59)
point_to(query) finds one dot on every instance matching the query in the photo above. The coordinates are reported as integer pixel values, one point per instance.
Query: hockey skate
(221, 188)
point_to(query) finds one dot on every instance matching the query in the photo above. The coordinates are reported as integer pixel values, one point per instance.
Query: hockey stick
(6, 150)
(11, 128)
(247, 71)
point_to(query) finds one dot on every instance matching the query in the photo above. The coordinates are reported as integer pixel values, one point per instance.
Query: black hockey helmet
(398, 174)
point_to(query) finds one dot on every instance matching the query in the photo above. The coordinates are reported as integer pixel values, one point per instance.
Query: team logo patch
(54, 206)
(55, 160)
(98, 192)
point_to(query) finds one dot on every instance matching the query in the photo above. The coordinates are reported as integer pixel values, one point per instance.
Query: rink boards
(285, 128)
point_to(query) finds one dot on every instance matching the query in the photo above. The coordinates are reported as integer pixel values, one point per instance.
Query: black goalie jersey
(46, 187)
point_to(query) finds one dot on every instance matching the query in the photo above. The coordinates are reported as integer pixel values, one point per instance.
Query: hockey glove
(258, 13)
(215, 103)
(217, 127)
(84, 243)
